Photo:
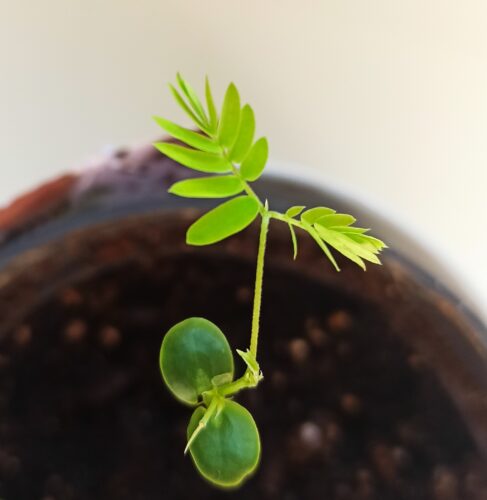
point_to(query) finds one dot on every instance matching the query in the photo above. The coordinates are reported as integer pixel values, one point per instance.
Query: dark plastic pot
(51, 237)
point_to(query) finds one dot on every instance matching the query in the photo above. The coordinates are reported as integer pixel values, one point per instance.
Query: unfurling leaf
(208, 187)
(366, 239)
(189, 137)
(197, 160)
(254, 163)
(313, 214)
(313, 233)
(296, 210)
(193, 352)
(337, 241)
(223, 221)
(226, 449)
(363, 250)
(230, 117)
(245, 135)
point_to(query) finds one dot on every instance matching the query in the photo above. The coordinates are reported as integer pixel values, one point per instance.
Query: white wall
(386, 96)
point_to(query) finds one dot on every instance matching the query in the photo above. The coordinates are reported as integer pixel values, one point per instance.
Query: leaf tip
(158, 120)
(335, 265)
(159, 146)
(180, 79)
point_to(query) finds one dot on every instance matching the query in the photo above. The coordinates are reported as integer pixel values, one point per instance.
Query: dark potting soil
(344, 411)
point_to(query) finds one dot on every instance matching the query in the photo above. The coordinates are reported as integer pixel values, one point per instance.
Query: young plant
(196, 361)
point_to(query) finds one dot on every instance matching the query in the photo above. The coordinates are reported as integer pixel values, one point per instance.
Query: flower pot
(375, 383)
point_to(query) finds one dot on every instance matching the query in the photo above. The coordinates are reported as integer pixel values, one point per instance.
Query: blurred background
(384, 98)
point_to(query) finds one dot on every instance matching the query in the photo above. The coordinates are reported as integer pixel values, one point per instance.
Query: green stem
(259, 276)
(236, 386)
(251, 378)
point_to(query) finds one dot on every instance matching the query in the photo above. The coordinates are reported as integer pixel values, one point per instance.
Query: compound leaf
(223, 221)
(254, 163)
(227, 448)
(208, 187)
(197, 160)
(192, 354)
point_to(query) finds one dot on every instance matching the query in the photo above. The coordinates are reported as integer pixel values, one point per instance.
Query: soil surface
(345, 411)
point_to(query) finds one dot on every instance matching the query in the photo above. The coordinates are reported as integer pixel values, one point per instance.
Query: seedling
(195, 359)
